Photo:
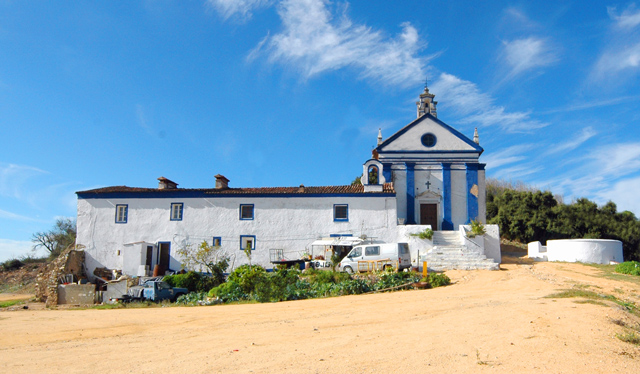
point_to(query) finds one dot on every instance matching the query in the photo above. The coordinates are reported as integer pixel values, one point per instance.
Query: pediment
(428, 194)
(428, 134)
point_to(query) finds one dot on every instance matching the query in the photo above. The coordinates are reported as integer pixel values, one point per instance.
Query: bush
(13, 264)
(628, 267)
(393, 279)
(247, 277)
(194, 282)
(229, 291)
(426, 234)
(437, 280)
(192, 298)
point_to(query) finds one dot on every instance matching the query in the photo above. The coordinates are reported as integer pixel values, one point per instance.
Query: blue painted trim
(253, 212)
(447, 221)
(386, 172)
(126, 213)
(255, 242)
(181, 212)
(417, 121)
(411, 193)
(339, 235)
(340, 219)
(472, 201)
(200, 194)
(219, 238)
(481, 166)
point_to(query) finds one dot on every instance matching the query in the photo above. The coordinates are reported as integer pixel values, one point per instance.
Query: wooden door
(149, 256)
(165, 248)
(429, 215)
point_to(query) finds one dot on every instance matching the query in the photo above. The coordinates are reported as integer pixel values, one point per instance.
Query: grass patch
(589, 301)
(629, 337)
(590, 295)
(8, 303)
(609, 272)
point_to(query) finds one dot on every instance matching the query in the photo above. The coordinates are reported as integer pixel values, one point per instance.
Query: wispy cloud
(474, 106)
(14, 248)
(622, 51)
(240, 8)
(593, 104)
(314, 41)
(507, 156)
(13, 178)
(624, 193)
(521, 55)
(586, 134)
(13, 216)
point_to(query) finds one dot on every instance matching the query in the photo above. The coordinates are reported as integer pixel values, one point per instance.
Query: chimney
(166, 184)
(221, 182)
(301, 188)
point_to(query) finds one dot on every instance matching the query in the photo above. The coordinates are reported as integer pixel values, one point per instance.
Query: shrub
(247, 277)
(194, 282)
(437, 280)
(13, 264)
(628, 267)
(393, 279)
(229, 291)
(192, 298)
(426, 234)
(477, 229)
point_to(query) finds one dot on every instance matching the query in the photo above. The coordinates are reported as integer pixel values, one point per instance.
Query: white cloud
(240, 8)
(313, 41)
(507, 156)
(13, 216)
(625, 194)
(13, 178)
(14, 249)
(628, 19)
(473, 106)
(526, 54)
(586, 134)
(622, 51)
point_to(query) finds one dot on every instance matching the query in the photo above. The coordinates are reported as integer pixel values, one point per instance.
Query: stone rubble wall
(70, 261)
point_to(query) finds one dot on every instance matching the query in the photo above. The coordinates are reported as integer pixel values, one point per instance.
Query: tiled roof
(302, 190)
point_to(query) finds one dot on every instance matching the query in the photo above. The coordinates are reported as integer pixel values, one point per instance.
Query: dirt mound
(21, 281)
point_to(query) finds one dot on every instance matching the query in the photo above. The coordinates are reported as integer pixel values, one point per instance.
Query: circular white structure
(598, 251)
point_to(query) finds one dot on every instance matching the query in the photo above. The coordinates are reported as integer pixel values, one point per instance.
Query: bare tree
(56, 240)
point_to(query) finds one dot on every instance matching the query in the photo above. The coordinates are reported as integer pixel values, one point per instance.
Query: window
(428, 140)
(246, 211)
(356, 252)
(176, 211)
(372, 251)
(217, 241)
(122, 212)
(247, 241)
(340, 212)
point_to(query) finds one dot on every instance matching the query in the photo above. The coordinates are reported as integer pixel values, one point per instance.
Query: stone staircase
(449, 252)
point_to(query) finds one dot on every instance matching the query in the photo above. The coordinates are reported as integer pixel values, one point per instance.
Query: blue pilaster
(386, 172)
(411, 193)
(472, 200)
(447, 222)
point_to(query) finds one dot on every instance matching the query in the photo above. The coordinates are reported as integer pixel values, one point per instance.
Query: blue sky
(283, 93)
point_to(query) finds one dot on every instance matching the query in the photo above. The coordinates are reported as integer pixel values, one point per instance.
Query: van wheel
(348, 269)
(386, 267)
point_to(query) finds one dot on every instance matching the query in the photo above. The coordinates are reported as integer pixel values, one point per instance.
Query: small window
(246, 211)
(247, 241)
(122, 213)
(372, 251)
(356, 252)
(217, 241)
(340, 212)
(428, 140)
(176, 211)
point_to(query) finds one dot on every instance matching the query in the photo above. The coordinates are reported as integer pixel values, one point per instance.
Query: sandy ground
(488, 321)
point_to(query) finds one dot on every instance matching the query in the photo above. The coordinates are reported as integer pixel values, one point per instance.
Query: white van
(377, 256)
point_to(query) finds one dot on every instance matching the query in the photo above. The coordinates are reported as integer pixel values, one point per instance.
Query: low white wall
(489, 242)
(537, 251)
(416, 245)
(598, 251)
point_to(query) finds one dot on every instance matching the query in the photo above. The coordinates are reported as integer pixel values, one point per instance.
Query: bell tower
(426, 104)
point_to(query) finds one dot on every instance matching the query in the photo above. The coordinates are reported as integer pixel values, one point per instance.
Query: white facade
(284, 222)
(425, 175)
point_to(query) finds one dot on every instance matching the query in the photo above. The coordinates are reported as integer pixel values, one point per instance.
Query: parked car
(378, 256)
(156, 291)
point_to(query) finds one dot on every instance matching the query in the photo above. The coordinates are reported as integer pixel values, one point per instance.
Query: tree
(214, 258)
(56, 240)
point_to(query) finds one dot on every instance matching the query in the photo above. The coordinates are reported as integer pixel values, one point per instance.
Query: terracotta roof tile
(387, 188)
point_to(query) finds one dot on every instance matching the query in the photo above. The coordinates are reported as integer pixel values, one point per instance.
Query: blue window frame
(176, 211)
(246, 212)
(122, 213)
(217, 241)
(340, 212)
(247, 240)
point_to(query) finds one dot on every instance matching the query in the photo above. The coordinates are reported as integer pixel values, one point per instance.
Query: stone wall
(70, 261)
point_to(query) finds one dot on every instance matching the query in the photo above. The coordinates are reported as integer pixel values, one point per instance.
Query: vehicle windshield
(356, 252)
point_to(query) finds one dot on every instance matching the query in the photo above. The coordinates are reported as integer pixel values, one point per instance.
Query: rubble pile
(70, 261)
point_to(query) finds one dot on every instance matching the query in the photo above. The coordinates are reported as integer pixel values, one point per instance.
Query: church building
(425, 175)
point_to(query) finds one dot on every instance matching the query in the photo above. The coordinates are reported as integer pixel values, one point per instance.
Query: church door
(429, 215)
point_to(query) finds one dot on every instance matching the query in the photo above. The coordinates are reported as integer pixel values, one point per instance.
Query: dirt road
(487, 321)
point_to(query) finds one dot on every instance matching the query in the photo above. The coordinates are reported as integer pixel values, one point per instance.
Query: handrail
(471, 241)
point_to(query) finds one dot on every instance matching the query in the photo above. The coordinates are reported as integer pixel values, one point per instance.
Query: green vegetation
(590, 295)
(628, 267)
(629, 337)
(255, 284)
(194, 282)
(426, 234)
(206, 256)
(477, 229)
(8, 303)
(525, 214)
